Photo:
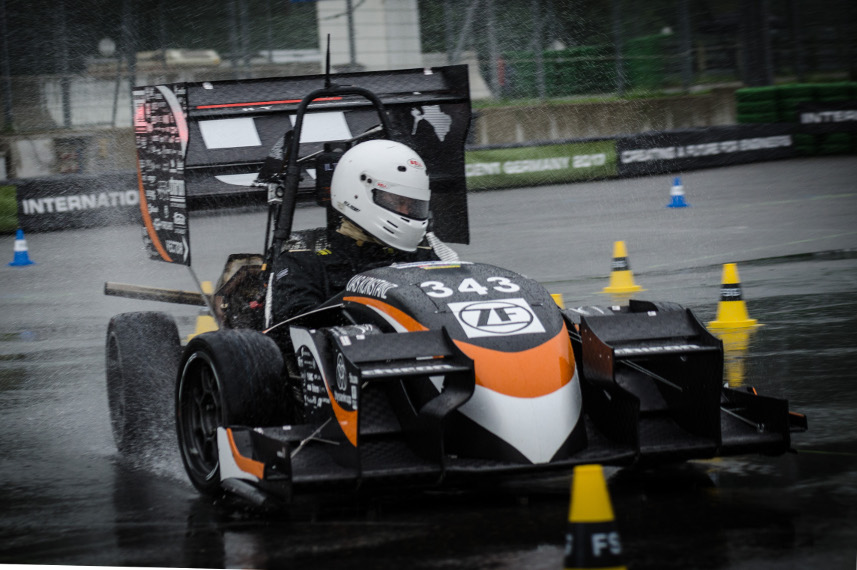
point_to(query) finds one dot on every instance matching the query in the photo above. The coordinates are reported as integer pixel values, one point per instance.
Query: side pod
(351, 437)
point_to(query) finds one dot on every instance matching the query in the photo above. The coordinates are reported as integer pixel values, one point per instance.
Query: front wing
(652, 394)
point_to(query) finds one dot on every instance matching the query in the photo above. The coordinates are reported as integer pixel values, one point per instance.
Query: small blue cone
(21, 258)
(677, 195)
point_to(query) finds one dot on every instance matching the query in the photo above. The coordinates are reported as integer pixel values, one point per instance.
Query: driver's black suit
(305, 279)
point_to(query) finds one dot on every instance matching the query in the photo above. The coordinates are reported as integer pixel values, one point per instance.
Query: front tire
(143, 351)
(226, 378)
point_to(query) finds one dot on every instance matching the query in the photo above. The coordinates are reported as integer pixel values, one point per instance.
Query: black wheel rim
(200, 414)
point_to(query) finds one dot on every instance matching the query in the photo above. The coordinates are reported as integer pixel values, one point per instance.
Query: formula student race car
(418, 374)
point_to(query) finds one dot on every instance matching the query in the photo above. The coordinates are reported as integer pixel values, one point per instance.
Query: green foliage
(756, 95)
(8, 209)
(34, 28)
(645, 61)
(572, 71)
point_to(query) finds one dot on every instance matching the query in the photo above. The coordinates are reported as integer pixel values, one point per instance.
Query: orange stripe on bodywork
(530, 373)
(147, 219)
(260, 103)
(397, 315)
(347, 420)
(246, 464)
(139, 118)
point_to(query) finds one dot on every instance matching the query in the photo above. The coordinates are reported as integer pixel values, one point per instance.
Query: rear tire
(226, 378)
(143, 351)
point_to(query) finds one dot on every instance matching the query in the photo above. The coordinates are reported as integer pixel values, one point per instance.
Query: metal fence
(524, 49)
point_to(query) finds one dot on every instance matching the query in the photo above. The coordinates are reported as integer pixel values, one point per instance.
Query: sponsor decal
(824, 117)
(560, 162)
(656, 349)
(504, 317)
(431, 265)
(55, 204)
(698, 148)
(619, 264)
(416, 369)
(174, 246)
(730, 292)
(602, 549)
(371, 286)
(704, 149)
(439, 121)
(345, 391)
(482, 169)
(161, 139)
(315, 395)
(341, 380)
(535, 165)
(843, 116)
(414, 163)
(350, 206)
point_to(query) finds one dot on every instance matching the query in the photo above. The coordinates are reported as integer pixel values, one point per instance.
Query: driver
(381, 188)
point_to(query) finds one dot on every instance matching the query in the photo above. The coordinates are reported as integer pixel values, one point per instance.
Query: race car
(418, 374)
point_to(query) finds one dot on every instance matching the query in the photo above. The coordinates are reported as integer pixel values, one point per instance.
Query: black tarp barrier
(827, 118)
(77, 201)
(74, 200)
(710, 147)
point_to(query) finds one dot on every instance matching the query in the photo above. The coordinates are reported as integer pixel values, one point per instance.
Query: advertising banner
(539, 164)
(830, 117)
(675, 151)
(77, 201)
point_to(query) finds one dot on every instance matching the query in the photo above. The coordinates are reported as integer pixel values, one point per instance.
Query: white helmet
(383, 187)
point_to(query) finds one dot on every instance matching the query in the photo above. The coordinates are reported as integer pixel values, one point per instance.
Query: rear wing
(202, 145)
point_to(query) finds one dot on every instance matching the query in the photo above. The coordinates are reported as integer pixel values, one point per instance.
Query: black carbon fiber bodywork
(650, 376)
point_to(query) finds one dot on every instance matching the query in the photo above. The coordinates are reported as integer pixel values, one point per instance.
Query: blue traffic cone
(677, 195)
(21, 258)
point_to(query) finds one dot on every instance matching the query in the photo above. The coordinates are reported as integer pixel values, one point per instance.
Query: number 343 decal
(469, 285)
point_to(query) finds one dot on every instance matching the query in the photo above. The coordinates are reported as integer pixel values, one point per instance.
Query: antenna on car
(327, 65)
(285, 212)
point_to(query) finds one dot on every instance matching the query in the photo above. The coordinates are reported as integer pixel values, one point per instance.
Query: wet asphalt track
(66, 497)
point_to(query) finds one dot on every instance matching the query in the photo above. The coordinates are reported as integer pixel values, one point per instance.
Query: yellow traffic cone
(592, 540)
(736, 342)
(205, 321)
(557, 298)
(731, 310)
(621, 279)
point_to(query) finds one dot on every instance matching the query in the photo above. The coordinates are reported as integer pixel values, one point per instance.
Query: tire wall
(824, 114)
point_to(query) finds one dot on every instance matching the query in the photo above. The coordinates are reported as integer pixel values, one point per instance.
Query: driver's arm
(299, 284)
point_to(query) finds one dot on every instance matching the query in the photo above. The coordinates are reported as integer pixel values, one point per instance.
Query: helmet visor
(408, 207)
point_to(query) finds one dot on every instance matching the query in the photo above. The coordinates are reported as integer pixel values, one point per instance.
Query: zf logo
(496, 318)
(341, 380)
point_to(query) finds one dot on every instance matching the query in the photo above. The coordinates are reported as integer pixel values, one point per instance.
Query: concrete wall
(551, 121)
(69, 152)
